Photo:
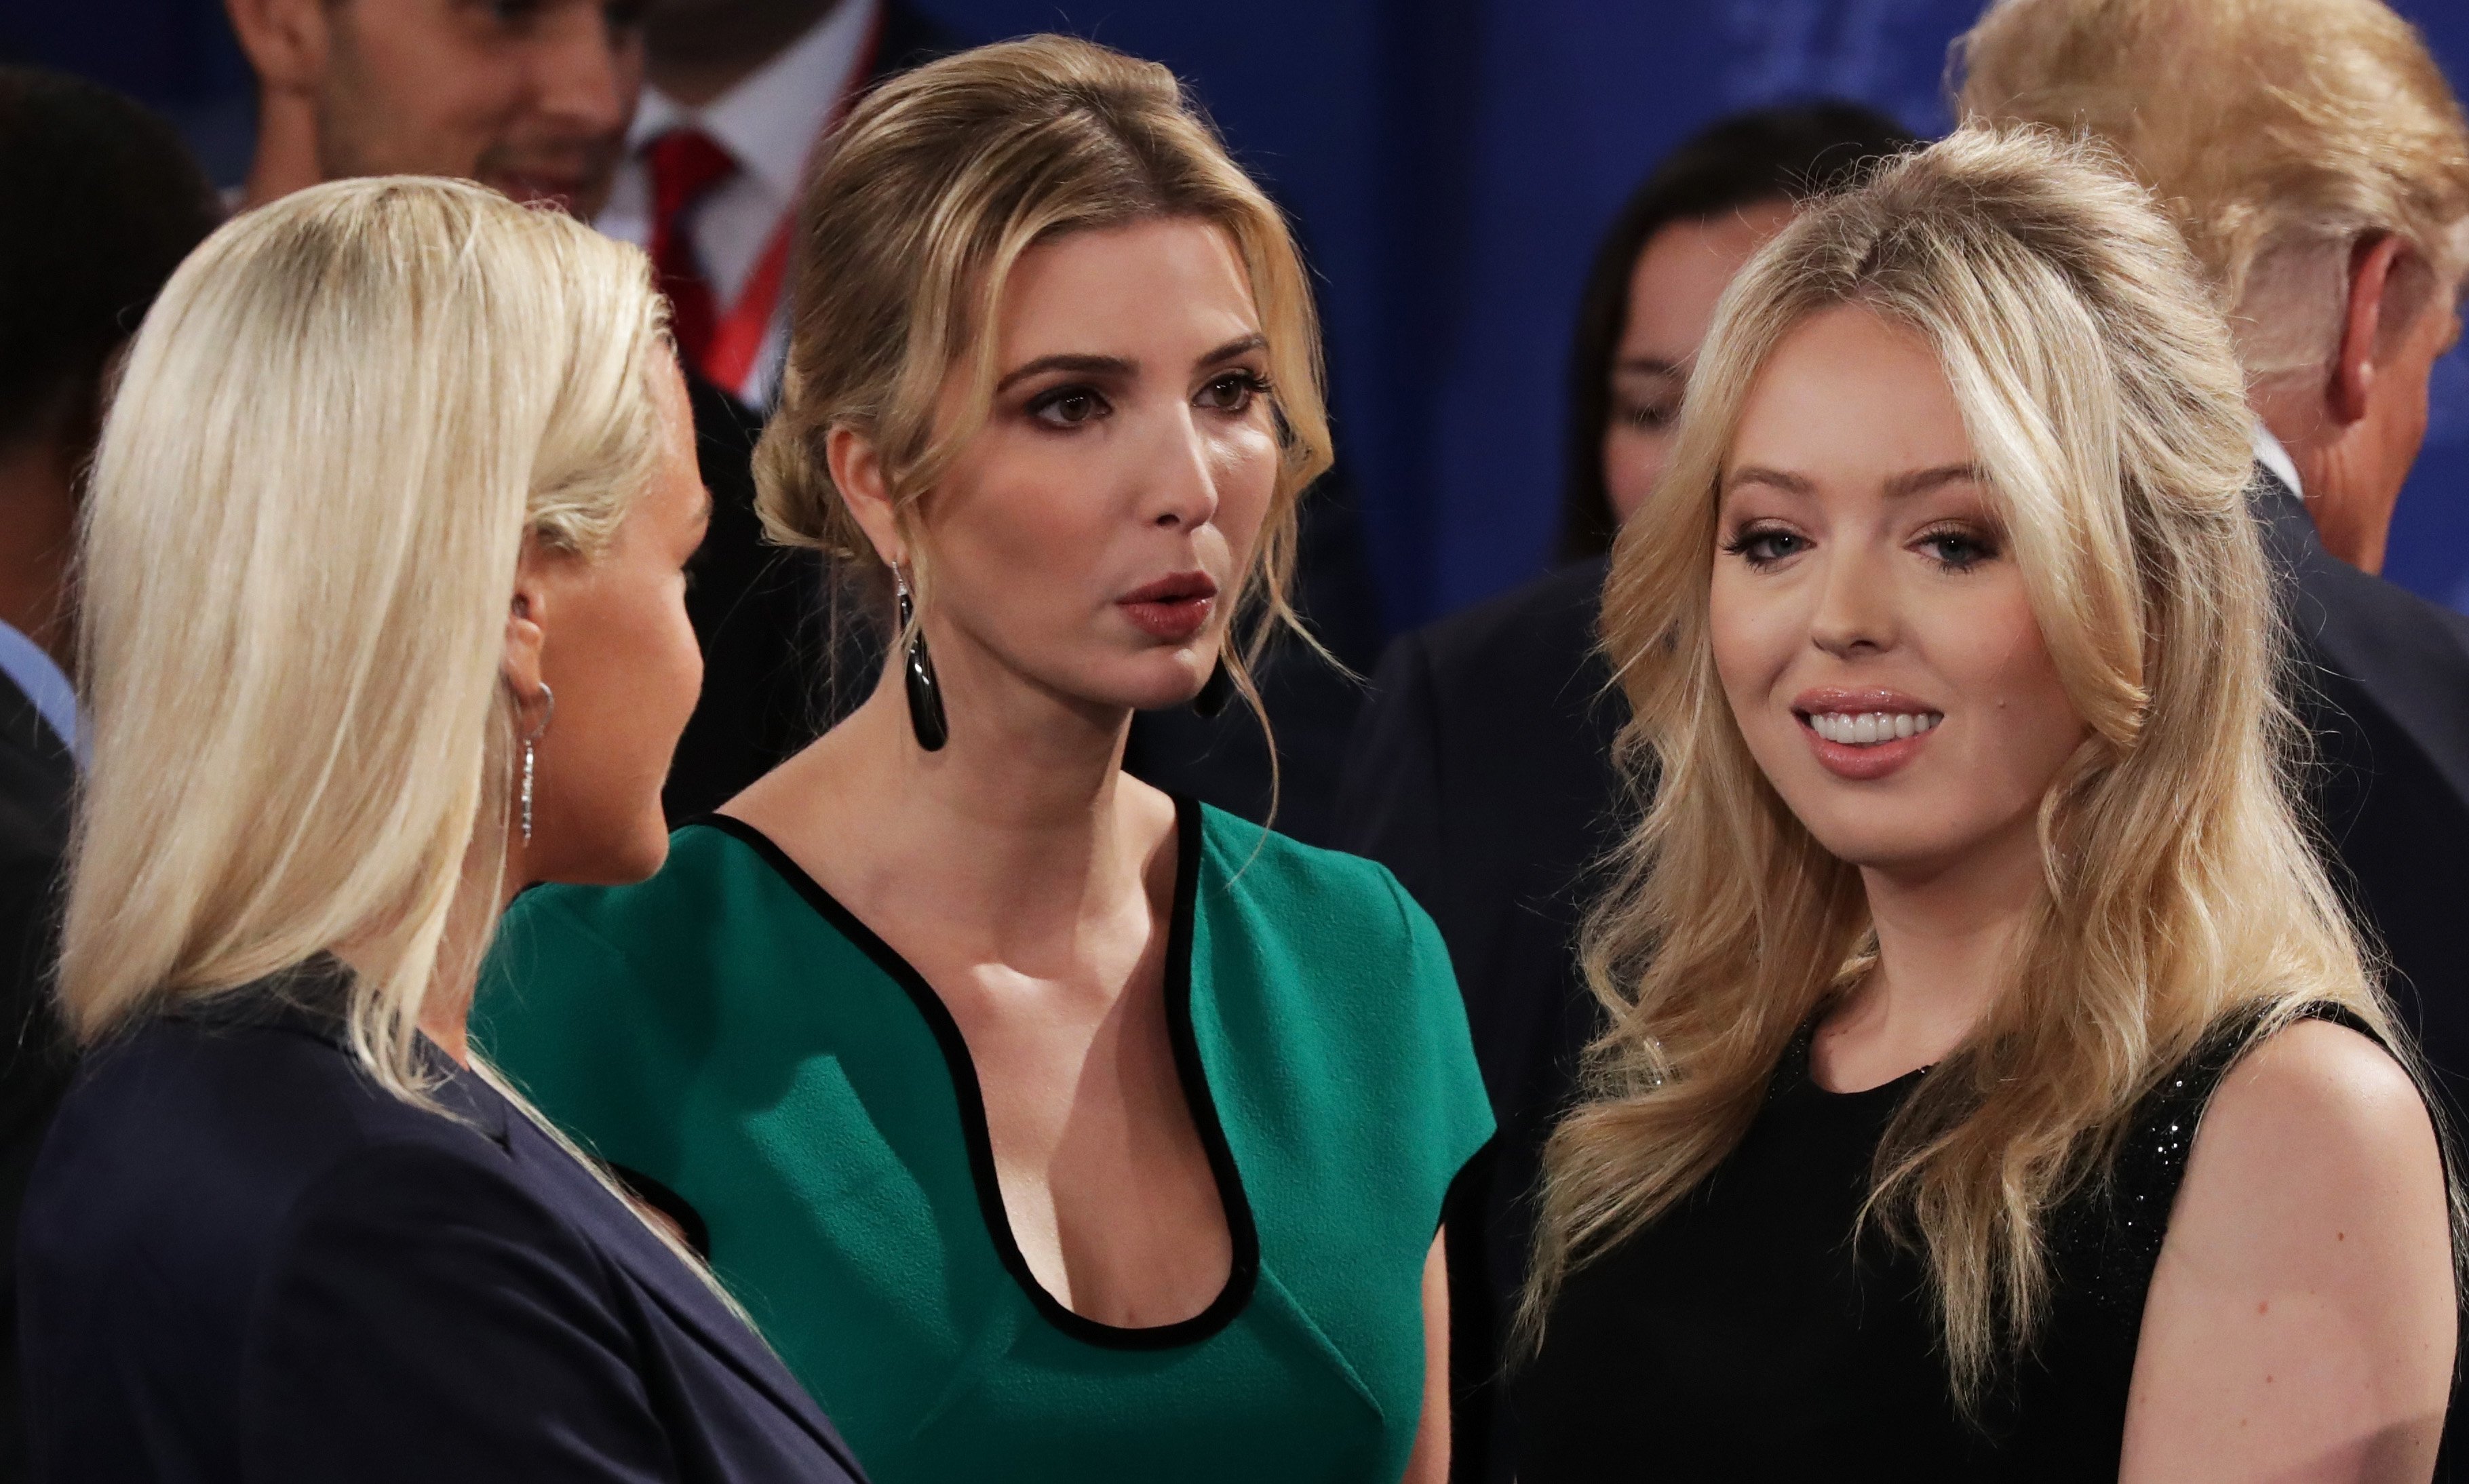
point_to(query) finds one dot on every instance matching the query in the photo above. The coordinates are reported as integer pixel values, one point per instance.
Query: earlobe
(2354, 364)
(857, 473)
(525, 639)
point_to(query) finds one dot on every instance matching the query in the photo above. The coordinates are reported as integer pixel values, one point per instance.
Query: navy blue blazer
(241, 1259)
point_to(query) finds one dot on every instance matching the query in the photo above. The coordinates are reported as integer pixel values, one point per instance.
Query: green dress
(731, 1030)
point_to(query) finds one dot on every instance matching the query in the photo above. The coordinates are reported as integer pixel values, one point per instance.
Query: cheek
(1246, 471)
(1632, 461)
(1756, 630)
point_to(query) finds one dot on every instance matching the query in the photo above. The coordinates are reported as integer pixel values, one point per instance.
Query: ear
(2372, 270)
(526, 627)
(286, 40)
(857, 473)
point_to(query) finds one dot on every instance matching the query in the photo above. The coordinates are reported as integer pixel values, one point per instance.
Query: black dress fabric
(1747, 1336)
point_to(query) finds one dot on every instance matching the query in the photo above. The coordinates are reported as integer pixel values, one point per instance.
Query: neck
(39, 517)
(286, 149)
(2350, 517)
(1946, 934)
(697, 58)
(1021, 821)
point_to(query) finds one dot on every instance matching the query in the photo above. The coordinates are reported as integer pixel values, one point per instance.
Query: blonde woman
(383, 618)
(1992, 1087)
(1053, 1128)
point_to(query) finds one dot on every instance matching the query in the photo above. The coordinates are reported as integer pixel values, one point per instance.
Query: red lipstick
(1172, 608)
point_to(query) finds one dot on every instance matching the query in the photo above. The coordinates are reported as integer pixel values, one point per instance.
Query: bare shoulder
(2303, 1301)
(2317, 1103)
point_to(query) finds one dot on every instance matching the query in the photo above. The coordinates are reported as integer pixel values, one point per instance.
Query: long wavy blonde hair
(339, 425)
(2106, 409)
(937, 184)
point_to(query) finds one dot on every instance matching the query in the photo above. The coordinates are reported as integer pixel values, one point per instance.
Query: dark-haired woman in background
(1499, 721)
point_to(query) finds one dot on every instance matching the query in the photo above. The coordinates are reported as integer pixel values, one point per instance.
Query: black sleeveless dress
(1742, 1337)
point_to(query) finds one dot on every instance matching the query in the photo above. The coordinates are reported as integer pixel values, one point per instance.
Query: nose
(1855, 613)
(587, 70)
(1181, 491)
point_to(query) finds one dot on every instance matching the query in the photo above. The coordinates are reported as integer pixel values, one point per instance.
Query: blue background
(1451, 163)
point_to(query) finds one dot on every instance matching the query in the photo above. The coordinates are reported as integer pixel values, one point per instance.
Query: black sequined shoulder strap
(2106, 1241)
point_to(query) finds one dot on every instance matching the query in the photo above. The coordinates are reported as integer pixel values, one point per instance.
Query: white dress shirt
(768, 124)
(2273, 454)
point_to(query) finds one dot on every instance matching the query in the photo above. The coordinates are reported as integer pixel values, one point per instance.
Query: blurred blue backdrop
(1450, 163)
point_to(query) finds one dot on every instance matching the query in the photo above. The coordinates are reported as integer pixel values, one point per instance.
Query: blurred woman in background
(383, 619)
(1480, 771)
(1053, 1128)
(1971, 892)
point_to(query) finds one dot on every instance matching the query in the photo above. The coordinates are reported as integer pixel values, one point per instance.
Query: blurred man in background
(2319, 165)
(99, 201)
(741, 96)
(531, 97)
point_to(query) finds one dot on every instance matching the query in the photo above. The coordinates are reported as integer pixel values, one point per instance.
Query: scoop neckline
(1191, 1073)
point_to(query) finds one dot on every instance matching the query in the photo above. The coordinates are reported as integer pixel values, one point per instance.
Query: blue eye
(1764, 546)
(1959, 549)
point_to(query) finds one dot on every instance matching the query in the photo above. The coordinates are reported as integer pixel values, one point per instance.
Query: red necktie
(686, 165)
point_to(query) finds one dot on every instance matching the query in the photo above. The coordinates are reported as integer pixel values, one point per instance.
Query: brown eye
(1232, 392)
(1069, 406)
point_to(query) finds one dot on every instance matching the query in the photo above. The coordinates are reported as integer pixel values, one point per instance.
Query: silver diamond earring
(548, 705)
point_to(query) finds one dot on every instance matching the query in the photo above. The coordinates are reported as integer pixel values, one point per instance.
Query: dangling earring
(925, 697)
(1215, 691)
(548, 710)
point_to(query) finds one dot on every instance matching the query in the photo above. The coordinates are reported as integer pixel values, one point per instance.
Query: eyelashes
(1953, 548)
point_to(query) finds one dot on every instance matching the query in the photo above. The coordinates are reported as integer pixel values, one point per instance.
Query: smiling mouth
(1868, 728)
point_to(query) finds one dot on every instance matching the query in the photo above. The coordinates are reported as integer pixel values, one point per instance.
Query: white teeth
(1867, 729)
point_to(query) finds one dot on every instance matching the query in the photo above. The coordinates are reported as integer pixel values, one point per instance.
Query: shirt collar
(45, 683)
(769, 122)
(2273, 454)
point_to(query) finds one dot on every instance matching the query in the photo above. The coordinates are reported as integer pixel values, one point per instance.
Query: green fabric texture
(718, 1029)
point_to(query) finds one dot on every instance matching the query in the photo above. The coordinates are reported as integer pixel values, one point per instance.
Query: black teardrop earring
(925, 697)
(1215, 691)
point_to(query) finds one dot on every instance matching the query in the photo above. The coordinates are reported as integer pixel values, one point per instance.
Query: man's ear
(2375, 268)
(285, 41)
(857, 473)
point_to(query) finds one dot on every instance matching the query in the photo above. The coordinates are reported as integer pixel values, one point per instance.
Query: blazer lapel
(678, 1290)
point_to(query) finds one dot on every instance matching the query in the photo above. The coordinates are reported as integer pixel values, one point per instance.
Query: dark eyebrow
(1921, 480)
(1241, 345)
(1085, 365)
(1752, 473)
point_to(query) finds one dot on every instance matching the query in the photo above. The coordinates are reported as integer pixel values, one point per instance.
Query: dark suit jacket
(776, 670)
(2383, 686)
(35, 779)
(1480, 773)
(241, 1259)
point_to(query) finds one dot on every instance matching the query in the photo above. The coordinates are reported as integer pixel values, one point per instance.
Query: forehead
(1683, 271)
(1154, 281)
(1846, 397)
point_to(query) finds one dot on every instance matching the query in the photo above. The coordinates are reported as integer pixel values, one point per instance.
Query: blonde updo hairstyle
(2181, 895)
(340, 424)
(937, 184)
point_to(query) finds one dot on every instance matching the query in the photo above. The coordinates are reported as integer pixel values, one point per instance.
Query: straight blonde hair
(2180, 894)
(2277, 133)
(937, 184)
(340, 425)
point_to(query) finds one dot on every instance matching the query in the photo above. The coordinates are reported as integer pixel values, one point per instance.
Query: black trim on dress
(1243, 1273)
